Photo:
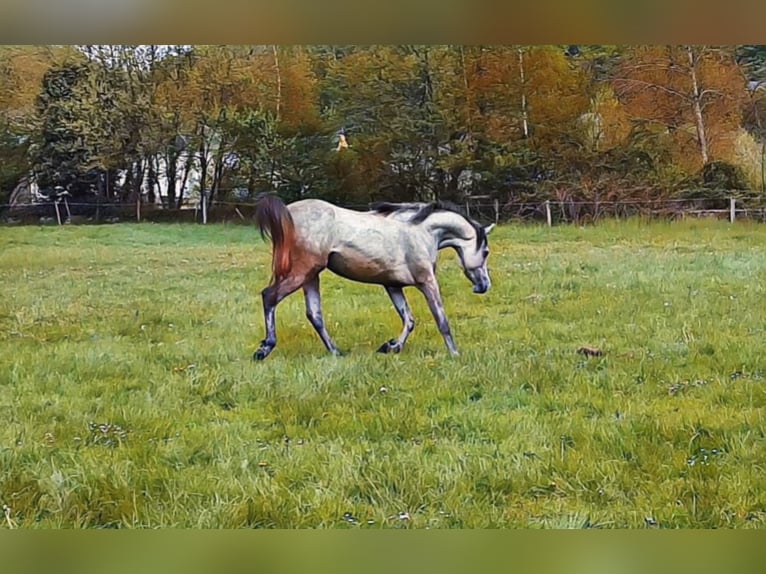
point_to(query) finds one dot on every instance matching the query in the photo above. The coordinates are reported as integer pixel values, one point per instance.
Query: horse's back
(320, 207)
(308, 205)
(323, 225)
(361, 245)
(314, 214)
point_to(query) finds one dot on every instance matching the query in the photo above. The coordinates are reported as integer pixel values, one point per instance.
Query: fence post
(548, 212)
(732, 209)
(468, 208)
(497, 210)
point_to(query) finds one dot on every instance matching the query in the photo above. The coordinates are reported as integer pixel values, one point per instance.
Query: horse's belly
(363, 270)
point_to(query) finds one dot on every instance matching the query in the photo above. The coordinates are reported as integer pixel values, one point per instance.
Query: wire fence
(554, 212)
(550, 212)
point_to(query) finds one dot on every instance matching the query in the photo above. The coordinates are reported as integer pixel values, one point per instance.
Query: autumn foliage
(222, 123)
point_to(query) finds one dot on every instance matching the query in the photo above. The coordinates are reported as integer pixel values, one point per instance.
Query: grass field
(128, 397)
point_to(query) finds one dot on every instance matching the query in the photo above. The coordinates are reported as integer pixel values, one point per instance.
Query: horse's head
(473, 255)
(452, 228)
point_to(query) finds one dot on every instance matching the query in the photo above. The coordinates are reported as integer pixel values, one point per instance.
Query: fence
(582, 212)
(550, 212)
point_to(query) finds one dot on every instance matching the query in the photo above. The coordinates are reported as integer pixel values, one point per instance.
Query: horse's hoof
(339, 353)
(385, 348)
(391, 346)
(260, 354)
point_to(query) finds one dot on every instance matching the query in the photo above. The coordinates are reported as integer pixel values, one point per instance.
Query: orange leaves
(21, 71)
(693, 92)
(299, 91)
(521, 92)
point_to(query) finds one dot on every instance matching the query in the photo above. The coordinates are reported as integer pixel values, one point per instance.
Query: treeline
(165, 124)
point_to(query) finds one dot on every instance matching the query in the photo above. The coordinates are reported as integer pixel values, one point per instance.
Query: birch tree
(693, 92)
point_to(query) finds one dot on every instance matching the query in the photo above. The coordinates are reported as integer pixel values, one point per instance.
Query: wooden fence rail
(487, 210)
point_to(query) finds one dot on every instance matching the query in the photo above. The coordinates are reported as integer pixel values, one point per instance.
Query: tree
(21, 72)
(95, 112)
(752, 62)
(59, 157)
(530, 101)
(407, 112)
(284, 148)
(693, 92)
(172, 120)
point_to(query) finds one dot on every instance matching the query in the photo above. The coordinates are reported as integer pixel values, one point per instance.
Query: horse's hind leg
(430, 289)
(314, 313)
(400, 303)
(271, 296)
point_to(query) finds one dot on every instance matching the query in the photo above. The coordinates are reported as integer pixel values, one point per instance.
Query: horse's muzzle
(479, 279)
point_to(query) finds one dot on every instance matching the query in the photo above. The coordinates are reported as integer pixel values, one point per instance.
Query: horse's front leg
(408, 322)
(314, 313)
(271, 296)
(430, 289)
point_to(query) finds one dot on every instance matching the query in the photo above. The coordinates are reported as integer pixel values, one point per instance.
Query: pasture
(128, 398)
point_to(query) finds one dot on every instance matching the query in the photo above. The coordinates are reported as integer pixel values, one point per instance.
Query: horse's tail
(275, 222)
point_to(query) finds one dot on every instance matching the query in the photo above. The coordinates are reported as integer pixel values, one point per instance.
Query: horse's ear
(489, 228)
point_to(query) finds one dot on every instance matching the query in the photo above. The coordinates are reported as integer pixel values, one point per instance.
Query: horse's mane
(424, 210)
(387, 207)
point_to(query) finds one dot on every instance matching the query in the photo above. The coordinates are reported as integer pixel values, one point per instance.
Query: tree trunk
(468, 121)
(127, 188)
(171, 167)
(524, 118)
(697, 106)
(217, 176)
(151, 196)
(109, 184)
(279, 84)
(203, 162)
(187, 169)
(138, 179)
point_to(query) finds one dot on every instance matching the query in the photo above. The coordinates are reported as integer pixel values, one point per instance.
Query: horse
(392, 244)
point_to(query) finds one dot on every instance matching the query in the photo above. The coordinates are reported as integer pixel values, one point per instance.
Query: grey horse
(393, 244)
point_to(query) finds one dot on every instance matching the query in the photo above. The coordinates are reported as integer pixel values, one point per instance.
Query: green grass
(128, 397)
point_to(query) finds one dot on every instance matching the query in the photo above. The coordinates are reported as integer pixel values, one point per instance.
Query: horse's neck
(446, 227)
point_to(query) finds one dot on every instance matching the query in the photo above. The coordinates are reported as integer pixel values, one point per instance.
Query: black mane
(387, 207)
(424, 210)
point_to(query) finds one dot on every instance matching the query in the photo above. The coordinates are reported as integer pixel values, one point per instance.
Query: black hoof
(390, 346)
(261, 354)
